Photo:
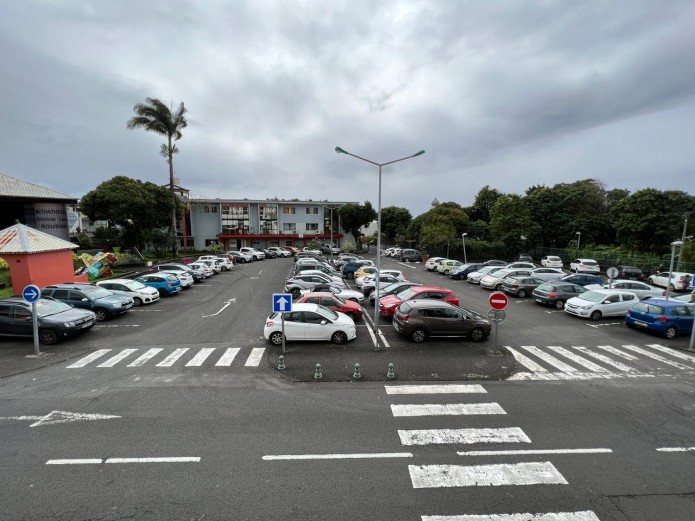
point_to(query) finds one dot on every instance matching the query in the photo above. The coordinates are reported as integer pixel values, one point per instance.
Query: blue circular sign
(31, 293)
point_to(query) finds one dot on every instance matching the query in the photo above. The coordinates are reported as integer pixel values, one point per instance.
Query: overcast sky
(508, 94)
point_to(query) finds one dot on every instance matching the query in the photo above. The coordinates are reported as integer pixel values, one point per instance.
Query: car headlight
(117, 305)
(586, 307)
(69, 324)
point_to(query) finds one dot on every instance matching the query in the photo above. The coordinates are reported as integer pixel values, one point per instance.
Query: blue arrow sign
(31, 293)
(282, 302)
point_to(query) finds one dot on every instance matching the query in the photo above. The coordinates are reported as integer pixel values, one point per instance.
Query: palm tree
(155, 116)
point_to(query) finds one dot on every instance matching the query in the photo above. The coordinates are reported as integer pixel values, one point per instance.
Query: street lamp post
(685, 229)
(331, 208)
(339, 150)
(463, 239)
(579, 238)
(674, 244)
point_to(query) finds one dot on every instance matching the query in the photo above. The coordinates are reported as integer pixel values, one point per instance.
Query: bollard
(391, 373)
(317, 374)
(357, 374)
(281, 362)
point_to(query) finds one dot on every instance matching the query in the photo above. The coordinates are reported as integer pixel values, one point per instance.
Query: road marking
(200, 357)
(115, 359)
(226, 305)
(526, 361)
(532, 452)
(434, 389)
(277, 457)
(173, 357)
(575, 376)
(88, 461)
(579, 360)
(255, 357)
(618, 352)
(451, 409)
(467, 436)
(228, 357)
(116, 325)
(89, 358)
(438, 476)
(605, 359)
(584, 515)
(672, 352)
(550, 359)
(99, 461)
(146, 357)
(676, 449)
(656, 357)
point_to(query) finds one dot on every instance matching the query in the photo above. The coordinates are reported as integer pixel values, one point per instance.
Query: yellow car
(365, 270)
(447, 265)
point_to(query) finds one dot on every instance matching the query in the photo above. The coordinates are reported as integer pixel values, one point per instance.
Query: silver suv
(257, 255)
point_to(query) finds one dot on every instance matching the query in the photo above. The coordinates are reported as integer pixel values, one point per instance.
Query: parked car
(240, 257)
(521, 264)
(338, 291)
(461, 273)
(640, 289)
(598, 303)
(279, 252)
(476, 276)
(666, 317)
(584, 279)
(333, 302)
(140, 293)
(584, 266)
(336, 280)
(297, 283)
(56, 320)
(388, 304)
(104, 303)
(166, 283)
(494, 262)
(447, 265)
(548, 273)
(255, 254)
(369, 285)
(184, 277)
(410, 255)
(432, 263)
(349, 268)
(269, 254)
(525, 257)
(309, 322)
(330, 249)
(293, 251)
(214, 264)
(421, 319)
(551, 261)
(494, 279)
(556, 293)
(363, 271)
(209, 272)
(675, 282)
(630, 272)
(520, 286)
(197, 274)
(392, 289)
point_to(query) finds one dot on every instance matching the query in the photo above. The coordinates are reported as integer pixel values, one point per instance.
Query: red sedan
(334, 303)
(388, 304)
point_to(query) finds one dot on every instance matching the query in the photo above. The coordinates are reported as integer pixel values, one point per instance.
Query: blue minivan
(666, 317)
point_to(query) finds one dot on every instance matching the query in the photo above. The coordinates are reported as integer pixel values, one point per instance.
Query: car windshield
(406, 294)
(326, 313)
(647, 307)
(499, 273)
(134, 285)
(45, 307)
(97, 292)
(391, 287)
(593, 296)
(554, 259)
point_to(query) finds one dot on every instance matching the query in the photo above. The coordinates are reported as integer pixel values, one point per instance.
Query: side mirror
(85, 299)
(324, 322)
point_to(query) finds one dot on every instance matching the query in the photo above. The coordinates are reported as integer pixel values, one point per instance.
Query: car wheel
(671, 333)
(137, 302)
(521, 293)
(275, 338)
(48, 337)
(296, 293)
(407, 259)
(339, 338)
(162, 293)
(101, 314)
(671, 288)
(559, 304)
(418, 335)
(477, 334)
(596, 315)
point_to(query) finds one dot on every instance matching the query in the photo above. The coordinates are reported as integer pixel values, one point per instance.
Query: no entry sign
(498, 300)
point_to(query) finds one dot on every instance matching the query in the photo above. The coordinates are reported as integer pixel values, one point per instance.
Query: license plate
(640, 323)
(539, 300)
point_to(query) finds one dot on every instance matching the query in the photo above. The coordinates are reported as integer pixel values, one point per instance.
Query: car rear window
(590, 263)
(546, 287)
(652, 309)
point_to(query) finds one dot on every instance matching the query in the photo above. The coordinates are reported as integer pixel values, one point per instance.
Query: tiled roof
(13, 187)
(23, 239)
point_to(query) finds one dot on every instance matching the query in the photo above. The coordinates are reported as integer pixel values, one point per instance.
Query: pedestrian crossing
(578, 362)
(436, 476)
(186, 356)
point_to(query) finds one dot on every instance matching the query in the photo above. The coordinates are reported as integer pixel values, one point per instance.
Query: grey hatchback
(556, 293)
(420, 319)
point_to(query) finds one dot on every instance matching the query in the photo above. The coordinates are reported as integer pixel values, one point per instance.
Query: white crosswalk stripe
(434, 389)
(255, 357)
(451, 409)
(579, 359)
(200, 357)
(173, 357)
(558, 364)
(605, 359)
(89, 358)
(585, 515)
(146, 357)
(656, 357)
(531, 473)
(115, 359)
(464, 436)
(228, 357)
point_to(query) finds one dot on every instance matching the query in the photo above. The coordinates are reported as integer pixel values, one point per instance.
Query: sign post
(282, 303)
(498, 301)
(31, 294)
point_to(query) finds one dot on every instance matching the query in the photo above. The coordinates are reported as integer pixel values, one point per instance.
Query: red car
(334, 303)
(389, 303)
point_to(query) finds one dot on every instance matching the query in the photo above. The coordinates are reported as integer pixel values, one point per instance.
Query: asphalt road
(241, 442)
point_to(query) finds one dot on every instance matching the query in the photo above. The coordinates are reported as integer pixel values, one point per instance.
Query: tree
(512, 223)
(394, 222)
(355, 216)
(155, 116)
(484, 201)
(440, 226)
(135, 206)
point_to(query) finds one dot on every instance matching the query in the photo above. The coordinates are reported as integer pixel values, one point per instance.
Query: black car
(630, 272)
(584, 279)
(349, 268)
(555, 293)
(461, 273)
(495, 262)
(56, 320)
(525, 257)
(104, 303)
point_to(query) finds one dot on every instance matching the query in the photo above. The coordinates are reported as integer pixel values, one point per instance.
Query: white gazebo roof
(23, 239)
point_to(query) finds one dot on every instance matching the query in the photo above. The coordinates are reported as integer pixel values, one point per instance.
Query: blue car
(584, 279)
(166, 283)
(666, 317)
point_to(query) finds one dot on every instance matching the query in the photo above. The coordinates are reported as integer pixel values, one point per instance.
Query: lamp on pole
(579, 238)
(674, 244)
(685, 229)
(331, 208)
(463, 239)
(339, 150)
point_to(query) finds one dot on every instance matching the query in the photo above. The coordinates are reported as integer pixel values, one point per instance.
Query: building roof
(16, 188)
(23, 239)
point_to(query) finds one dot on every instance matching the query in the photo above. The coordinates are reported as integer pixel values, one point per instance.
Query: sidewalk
(18, 358)
(454, 362)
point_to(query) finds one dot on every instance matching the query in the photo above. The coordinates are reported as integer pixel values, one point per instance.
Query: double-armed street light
(463, 239)
(339, 150)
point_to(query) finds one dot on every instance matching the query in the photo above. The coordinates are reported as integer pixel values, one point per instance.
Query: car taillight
(515, 285)
(551, 295)
(170, 283)
(662, 318)
(403, 317)
(269, 323)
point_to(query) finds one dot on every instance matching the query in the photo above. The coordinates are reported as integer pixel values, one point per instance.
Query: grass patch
(5, 279)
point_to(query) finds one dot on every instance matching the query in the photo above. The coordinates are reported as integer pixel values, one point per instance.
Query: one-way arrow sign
(282, 302)
(55, 417)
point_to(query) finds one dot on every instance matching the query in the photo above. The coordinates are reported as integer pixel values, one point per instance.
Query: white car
(640, 289)
(493, 280)
(476, 276)
(279, 252)
(207, 270)
(548, 273)
(676, 280)
(599, 303)
(337, 280)
(309, 322)
(243, 257)
(185, 277)
(222, 262)
(213, 264)
(432, 263)
(585, 266)
(551, 261)
(369, 283)
(140, 293)
(257, 255)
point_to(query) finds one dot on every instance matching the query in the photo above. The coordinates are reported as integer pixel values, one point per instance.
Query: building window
(289, 227)
(209, 208)
(289, 210)
(312, 227)
(313, 210)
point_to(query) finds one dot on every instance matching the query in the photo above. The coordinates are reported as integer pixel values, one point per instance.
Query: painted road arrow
(56, 417)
